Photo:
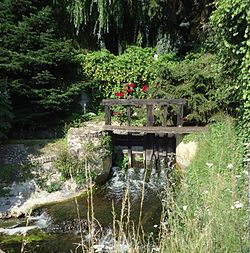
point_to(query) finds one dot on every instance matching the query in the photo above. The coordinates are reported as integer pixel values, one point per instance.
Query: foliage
(117, 24)
(5, 110)
(106, 144)
(77, 120)
(69, 167)
(197, 78)
(113, 72)
(230, 31)
(210, 212)
(54, 186)
(38, 67)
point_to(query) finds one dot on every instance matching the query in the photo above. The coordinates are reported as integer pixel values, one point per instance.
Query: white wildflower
(230, 166)
(184, 208)
(156, 57)
(156, 249)
(155, 226)
(209, 165)
(237, 205)
(238, 176)
(98, 247)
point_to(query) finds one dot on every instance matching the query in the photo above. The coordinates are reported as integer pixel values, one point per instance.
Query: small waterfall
(61, 223)
(156, 179)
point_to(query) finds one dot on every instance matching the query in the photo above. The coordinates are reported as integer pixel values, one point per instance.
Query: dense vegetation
(51, 51)
(196, 77)
(210, 209)
(194, 50)
(38, 67)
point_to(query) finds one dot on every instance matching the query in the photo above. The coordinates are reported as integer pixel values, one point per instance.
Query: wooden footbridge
(153, 139)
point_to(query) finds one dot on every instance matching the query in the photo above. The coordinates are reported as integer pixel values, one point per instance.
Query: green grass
(205, 217)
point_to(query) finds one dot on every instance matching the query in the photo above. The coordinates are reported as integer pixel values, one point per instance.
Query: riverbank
(210, 210)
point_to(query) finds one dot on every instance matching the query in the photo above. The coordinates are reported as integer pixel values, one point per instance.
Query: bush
(197, 78)
(113, 72)
(70, 167)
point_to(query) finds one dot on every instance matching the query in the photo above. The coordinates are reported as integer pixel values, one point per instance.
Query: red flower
(132, 85)
(117, 94)
(121, 94)
(129, 90)
(144, 88)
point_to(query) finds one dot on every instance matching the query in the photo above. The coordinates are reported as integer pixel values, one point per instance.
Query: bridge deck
(155, 129)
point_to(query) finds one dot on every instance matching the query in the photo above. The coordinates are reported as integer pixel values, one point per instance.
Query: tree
(5, 110)
(117, 24)
(37, 65)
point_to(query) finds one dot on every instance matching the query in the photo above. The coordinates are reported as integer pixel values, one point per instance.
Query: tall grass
(210, 211)
(207, 212)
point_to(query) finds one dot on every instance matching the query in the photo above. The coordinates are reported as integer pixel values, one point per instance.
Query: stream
(60, 227)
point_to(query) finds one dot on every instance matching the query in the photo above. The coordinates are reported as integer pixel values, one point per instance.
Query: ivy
(230, 28)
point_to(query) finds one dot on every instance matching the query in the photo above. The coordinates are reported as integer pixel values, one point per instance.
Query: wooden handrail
(149, 105)
(144, 101)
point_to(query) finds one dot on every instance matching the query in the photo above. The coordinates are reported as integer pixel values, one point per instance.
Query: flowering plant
(127, 91)
(131, 91)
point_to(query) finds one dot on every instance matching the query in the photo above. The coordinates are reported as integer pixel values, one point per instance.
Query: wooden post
(180, 115)
(129, 114)
(148, 153)
(165, 115)
(150, 116)
(107, 115)
(157, 151)
(130, 154)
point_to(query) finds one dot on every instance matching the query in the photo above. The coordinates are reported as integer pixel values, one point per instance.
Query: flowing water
(58, 227)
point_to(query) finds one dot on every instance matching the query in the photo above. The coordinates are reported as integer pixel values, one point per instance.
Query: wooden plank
(165, 115)
(107, 115)
(150, 116)
(129, 114)
(130, 155)
(180, 115)
(154, 129)
(143, 101)
(148, 149)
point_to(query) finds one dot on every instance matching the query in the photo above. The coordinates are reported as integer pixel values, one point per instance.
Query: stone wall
(18, 154)
(78, 141)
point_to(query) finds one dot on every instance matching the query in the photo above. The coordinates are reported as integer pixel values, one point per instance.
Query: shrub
(197, 78)
(70, 167)
(114, 72)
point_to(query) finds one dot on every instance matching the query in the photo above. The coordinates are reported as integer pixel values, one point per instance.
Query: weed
(210, 212)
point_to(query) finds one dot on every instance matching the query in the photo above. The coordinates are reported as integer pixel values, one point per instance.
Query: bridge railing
(149, 103)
